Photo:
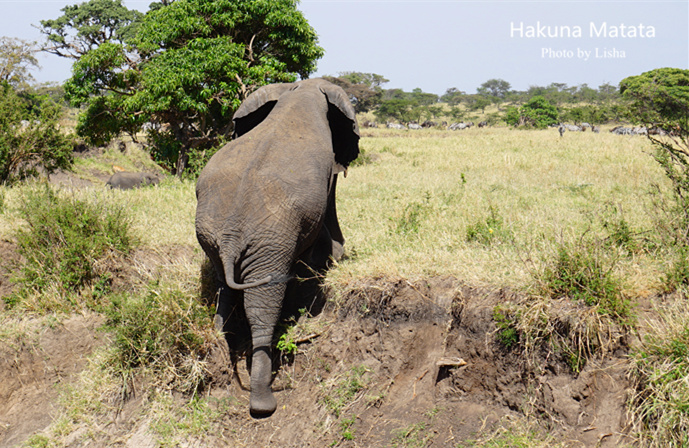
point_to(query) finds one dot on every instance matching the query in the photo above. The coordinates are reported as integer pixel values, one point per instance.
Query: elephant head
(266, 203)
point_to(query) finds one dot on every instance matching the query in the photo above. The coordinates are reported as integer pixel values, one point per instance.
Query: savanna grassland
(497, 290)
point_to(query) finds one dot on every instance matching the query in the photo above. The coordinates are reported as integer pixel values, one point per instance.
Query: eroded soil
(402, 364)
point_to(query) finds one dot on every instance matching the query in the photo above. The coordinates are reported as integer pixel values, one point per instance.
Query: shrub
(66, 240)
(167, 331)
(582, 273)
(536, 113)
(30, 138)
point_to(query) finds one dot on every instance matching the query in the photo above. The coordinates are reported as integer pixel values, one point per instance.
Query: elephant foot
(262, 405)
(262, 402)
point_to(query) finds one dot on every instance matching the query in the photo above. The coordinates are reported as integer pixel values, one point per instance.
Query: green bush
(65, 242)
(581, 272)
(30, 137)
(167, 331)
(536, 113)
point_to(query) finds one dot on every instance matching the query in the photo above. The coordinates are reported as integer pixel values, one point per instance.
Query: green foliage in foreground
(30, 138)
(165, 330)
(581, 272)
(65, 243)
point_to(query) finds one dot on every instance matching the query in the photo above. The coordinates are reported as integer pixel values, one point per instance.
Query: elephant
(125, 180)
(266, 205)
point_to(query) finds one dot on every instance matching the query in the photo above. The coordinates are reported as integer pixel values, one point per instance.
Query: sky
(436, 45)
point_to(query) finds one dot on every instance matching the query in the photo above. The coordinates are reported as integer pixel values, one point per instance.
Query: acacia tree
(86, 26)
(186, 67)
(364, 89)
(17, 57)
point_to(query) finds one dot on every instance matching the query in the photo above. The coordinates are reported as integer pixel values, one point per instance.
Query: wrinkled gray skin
(266, 203)
(125, 180)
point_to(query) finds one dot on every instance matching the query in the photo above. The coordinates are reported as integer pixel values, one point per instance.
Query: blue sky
(435, 45)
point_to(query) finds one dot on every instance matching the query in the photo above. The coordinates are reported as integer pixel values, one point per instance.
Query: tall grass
(660, 375)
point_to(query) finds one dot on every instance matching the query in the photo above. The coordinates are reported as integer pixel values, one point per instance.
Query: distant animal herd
(426, 124)
(561, 127)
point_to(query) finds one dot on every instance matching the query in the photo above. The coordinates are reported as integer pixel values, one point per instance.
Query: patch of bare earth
(33, 367)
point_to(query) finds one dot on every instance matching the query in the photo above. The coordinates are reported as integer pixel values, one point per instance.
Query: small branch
(307, 338)
(250, 47)
(242, 86)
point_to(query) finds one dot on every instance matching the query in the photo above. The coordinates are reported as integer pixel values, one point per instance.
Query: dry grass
(547, 189)
(660, 374)
(406, 212)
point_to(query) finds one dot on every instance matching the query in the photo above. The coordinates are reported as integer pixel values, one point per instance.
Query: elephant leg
(223, 308)
(319, 255)
(263, 305)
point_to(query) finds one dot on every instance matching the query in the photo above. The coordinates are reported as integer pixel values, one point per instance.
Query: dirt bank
(394, 363)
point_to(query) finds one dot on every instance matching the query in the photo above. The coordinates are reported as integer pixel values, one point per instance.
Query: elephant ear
(256, 107)
(343, 124)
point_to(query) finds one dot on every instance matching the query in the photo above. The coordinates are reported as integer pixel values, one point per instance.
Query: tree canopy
(659, 96)
(86, 26)
(17, 57)
(185, 66)
(30, 136)
(536, 113)
(497, 88)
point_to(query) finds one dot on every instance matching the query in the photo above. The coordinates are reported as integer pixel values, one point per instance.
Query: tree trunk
(182, 161)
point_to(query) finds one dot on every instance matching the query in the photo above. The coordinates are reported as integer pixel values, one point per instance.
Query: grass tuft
(166, 330)
(489, 230)
(584, 273)
(660, 375)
